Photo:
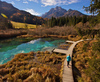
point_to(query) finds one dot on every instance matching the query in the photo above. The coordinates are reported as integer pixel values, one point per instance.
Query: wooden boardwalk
(60, 51)
(67, 72)
(69, 41)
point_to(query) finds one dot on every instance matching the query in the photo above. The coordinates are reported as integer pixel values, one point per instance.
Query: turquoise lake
(11, 47)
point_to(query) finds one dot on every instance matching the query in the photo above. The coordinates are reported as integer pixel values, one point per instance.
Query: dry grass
(81, 56)
(97, 26)
(26, 67)
(74, 38)
(59, 31)
(11, 33)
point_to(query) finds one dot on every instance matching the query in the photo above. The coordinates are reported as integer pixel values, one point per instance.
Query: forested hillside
(17, 15)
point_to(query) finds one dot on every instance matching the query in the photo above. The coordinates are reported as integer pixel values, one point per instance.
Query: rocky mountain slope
(59, 12)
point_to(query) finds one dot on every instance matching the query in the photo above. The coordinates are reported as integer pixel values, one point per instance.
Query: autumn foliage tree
(5, 24)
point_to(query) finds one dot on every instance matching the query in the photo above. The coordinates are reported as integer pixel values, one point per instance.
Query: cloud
(25, 2)
(72, 1)
(32, 12)
(12, 2)
(17, 0)
(34, 1)
(57, 2)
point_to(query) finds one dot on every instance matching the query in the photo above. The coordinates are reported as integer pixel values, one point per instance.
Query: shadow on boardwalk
(67, 72)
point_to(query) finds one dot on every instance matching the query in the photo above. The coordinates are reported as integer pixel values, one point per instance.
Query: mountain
(17, 15)
(60, 12)
(71, 12)
(55, 12)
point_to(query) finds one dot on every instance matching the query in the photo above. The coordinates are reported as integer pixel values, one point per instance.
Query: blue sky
(39, 7)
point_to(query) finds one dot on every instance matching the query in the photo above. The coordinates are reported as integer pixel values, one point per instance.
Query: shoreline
(56, 61)
(45, 36)
(61, 46)
(47, 60)
(11, 33)
(69, 37)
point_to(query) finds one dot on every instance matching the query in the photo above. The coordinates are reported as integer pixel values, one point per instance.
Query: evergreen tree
(84, 19)
(60, 22)
(78, 19)
(67, 20)
(94, 7)
(74, 20)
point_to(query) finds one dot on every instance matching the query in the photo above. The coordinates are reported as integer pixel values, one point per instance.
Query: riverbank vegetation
(37, 67)
(7, 30)
(59, 31)
(10, 33)
(86, 61)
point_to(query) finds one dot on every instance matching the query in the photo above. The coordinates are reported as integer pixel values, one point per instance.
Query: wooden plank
(69, 41)
(67, 72)
(60, 51)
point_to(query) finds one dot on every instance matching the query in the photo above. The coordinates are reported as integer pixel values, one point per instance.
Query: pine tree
(60, 22)
(74, 20)
(84, 19)
(67, 20)
(94, 7)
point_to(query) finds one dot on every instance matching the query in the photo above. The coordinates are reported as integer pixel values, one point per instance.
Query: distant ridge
(17, 15)
(71, 12)
(60, 12)
(55, 12)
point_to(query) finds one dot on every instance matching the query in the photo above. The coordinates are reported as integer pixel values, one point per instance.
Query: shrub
(45, 75)
(85, 47)
(23, 74)
(93, 71)
(48, 79)
(4, 71)
(60, 31)
(46, 68)
(10, 78)
(96, 46)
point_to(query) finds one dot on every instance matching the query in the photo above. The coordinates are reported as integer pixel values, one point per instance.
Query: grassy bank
(33, 67)
(59, 31)
(9, 33)
(56, 32)
(86, 61)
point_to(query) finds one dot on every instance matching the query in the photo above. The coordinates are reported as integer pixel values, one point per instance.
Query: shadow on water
(12, 43)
